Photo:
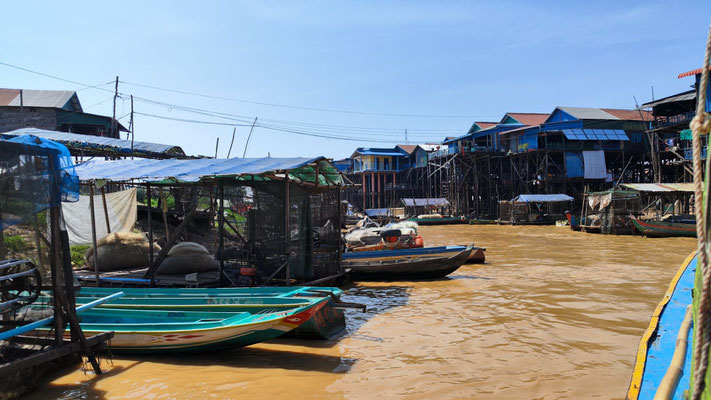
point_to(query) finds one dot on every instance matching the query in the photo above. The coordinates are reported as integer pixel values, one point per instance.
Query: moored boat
(433, 262)
(439, 220)
(329, 320)
(156, 331)
(665, 228)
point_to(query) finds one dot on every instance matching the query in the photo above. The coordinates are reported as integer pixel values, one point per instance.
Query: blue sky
(443, 64)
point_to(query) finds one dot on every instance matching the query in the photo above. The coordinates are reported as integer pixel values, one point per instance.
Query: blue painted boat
(659, 341)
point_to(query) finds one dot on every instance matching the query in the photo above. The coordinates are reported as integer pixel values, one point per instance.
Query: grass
(78, 255)
(16, 243)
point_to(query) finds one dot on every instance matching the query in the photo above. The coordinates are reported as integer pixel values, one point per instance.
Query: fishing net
(35, 174)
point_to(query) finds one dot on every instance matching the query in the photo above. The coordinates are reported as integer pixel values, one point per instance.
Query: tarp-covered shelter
(609, 211)
(88, 145)
(278, 216)
(417, 206)
(534, 209)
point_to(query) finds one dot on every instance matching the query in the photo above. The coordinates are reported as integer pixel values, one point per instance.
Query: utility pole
(232, 141)
(22, 110)
(249, 137)
(130, 124)
(217, 145)
(114, 127)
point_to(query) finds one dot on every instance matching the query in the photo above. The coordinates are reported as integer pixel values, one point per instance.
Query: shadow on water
(86, 389)
(253, 358)
(378, 300)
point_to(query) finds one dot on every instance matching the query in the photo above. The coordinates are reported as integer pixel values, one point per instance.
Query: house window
(377, 163)
(386, 164)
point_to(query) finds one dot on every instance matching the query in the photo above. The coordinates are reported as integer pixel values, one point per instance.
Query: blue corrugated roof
(378, 212)
(425, 202)
(147, 170)
(543, 198)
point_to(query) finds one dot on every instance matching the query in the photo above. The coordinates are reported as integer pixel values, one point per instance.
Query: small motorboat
(157, 331)
(424, 263)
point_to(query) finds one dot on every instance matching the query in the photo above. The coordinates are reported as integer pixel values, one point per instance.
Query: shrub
(16, 243)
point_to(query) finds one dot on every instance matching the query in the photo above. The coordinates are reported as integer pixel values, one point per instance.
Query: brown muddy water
(552, 314)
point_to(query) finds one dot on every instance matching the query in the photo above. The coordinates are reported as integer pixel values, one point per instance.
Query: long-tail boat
(665, 228)
(328, 320)
(156, 331)
(424, 263)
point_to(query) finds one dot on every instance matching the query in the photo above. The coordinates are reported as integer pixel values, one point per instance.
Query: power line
(58, 78)
(331, 110)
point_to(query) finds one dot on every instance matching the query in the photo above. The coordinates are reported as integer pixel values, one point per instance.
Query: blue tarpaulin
(543, 198)
(378, 212)
(528, 141)
(88, 142)
(189, 171)
(574, 165)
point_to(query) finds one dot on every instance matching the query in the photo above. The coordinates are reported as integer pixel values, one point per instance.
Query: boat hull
(440, 221)
(326, 322)
(663, 228)
(404, 267)
(657, 346)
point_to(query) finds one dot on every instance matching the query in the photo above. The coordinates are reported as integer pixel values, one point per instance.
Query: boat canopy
(660, 187)
(423, 202)
(89, 143)
(543, 198)
(316, 171)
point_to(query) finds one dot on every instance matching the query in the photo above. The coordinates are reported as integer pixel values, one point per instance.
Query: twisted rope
(700, 125)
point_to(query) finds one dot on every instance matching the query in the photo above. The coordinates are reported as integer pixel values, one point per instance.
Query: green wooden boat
(440, 221)
(327, 322)
(158, 331)
(666, 228)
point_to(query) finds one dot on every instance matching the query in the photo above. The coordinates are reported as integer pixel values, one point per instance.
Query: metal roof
(79, 142)
(423, 202)
(528, 118)
(543, 198)
(660, 187)
(40, 98)
(378, 212)
(684, 96)
(300, 170)
(587, 113)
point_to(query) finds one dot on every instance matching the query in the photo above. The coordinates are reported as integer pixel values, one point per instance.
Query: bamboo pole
(106, 209)
(668, 385)
(164, 210)
(287, 231)
(150, 234)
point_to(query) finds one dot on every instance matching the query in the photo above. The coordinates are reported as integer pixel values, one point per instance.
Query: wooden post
(150, 235)
(287, 231)
(132, 127)
(231, 142)
(164, 210)
(364, 191)
(221, 224)
(106, 209)
(340, 237)
(93, 233)
(56, 276)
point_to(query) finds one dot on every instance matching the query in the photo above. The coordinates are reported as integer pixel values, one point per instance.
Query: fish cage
(36, 177)
(613, 211)
(534, 209)
(609, 212)
(256, 221)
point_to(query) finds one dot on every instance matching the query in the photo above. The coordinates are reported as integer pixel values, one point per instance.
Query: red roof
(7, 96)
(629, 115)
(529, 118)
(485, 125)
(409, 148)
(692, 72)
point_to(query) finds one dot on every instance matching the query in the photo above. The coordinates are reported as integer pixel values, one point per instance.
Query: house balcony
(663, 121)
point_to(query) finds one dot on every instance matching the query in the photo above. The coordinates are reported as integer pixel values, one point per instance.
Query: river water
(553, 314)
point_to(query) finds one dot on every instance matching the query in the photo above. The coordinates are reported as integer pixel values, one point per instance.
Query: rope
(700, 125)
